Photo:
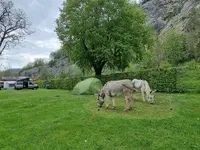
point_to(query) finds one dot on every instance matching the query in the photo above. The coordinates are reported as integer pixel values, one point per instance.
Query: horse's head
(151, 97)
(100, 98)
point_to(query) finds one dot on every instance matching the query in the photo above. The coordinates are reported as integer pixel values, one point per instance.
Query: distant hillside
(14, 70)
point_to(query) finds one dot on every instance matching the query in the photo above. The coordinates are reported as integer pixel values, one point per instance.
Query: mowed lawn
(58, 120)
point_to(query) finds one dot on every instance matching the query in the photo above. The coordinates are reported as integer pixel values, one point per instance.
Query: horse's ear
(153, 91)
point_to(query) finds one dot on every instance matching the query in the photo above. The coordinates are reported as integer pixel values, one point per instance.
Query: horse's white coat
(143, 87)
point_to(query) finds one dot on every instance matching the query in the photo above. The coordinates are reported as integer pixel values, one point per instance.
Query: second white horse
(143, 87)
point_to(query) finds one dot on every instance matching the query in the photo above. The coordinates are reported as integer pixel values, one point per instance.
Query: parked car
(19, 85)
(22, 85)
(32, 85)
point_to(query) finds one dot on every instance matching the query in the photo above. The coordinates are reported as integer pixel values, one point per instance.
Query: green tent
(87, 87)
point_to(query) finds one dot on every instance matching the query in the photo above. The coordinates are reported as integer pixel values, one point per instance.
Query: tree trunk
(98, 70)
(98, 67)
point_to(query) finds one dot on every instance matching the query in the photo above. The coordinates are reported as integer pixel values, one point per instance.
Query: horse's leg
(107, 101)
(113, 100)
(126, 104)
(128, 100)
(131, 103)
(142, 91)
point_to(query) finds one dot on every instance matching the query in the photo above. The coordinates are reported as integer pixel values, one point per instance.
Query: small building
(9, 85)
(9, 82)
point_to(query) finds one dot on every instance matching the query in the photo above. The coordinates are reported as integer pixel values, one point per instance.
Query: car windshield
(19, 83)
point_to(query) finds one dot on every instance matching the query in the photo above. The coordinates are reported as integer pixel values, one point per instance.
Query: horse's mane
(147, 87)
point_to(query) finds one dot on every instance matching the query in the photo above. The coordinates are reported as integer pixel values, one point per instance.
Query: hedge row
(188, 79)
(164, 80)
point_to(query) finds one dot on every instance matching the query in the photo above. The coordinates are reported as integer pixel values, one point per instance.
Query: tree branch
(91, 60)
(13, 25)
(3, 47)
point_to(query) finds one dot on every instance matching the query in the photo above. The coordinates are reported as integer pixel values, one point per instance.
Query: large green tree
(99, 33)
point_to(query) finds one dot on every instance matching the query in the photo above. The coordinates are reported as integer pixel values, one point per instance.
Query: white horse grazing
(113, 89)
(143, 87)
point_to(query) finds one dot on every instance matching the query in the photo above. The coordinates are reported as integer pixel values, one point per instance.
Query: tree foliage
(175, 46)
(45, 75)
(36, 63)
(58, 54)
(101, 32)
(39, 62)
(193, 34)
(63, 75)
(7, 72)
(14, 25)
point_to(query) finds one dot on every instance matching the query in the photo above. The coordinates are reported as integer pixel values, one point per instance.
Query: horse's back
(117, 85)
(137, 83)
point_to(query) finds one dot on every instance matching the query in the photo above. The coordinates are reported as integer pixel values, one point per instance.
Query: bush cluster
(164, 80)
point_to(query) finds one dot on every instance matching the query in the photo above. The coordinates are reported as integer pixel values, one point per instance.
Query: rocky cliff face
(61, 65)
(167, 14)
(56, 69)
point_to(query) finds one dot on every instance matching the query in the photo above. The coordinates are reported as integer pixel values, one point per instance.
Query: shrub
(180, 79)
(165, 64)
(188, 78)
(45, 75)
(175, 48)
(163, 79)
(63, 75)
(192, 64)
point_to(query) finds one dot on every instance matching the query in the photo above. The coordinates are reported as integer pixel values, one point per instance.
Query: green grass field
(56, 119)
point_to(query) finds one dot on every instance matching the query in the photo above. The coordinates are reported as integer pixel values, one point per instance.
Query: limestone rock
(167, 14)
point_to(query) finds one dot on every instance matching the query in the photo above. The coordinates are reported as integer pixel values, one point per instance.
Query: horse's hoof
(114, 107)
(126, 110)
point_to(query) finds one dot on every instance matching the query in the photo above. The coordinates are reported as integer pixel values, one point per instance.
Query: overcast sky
(42, 14)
